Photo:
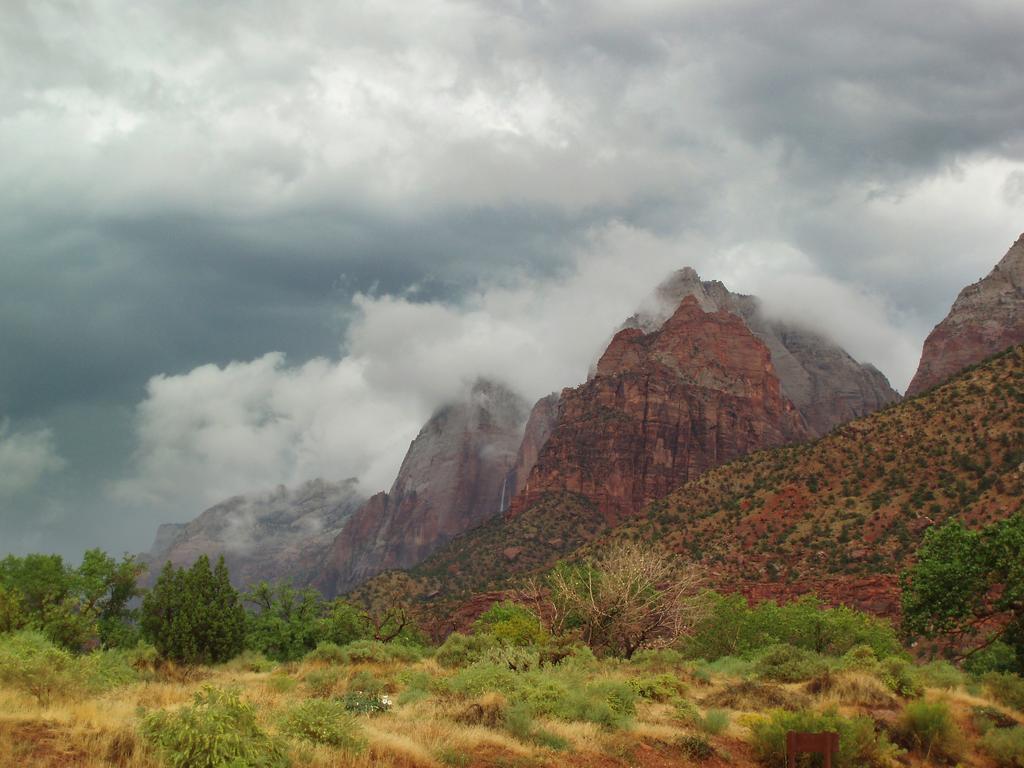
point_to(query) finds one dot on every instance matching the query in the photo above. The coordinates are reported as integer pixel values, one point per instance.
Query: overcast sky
(249, 243)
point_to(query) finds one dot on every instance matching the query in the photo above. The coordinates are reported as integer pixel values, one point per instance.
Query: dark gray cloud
(185, 184)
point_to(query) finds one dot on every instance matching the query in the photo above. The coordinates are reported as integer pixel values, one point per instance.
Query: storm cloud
(256, 243)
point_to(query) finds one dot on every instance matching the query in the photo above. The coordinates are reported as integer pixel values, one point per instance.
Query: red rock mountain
(454, 477)
(986, 318)
(275, 536)
(542, 420)
(825, 383)
(661, 408)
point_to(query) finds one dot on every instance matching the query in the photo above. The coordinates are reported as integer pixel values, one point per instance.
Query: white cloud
(218, 431)
(25, 457)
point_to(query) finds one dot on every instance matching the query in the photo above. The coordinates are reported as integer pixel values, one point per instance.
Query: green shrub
(545, 693)
(417, 686)
(940, 674)
(1006, 688)
(1006, 746)
(861, 658)
(515, 657)
(789, 664)
(725, 666)
(324, 722)
(328, 653)
(714, 721)
(899, 676)
(482, 677)
(733, 628)
(218, 730)
(608, 703)
(687, 712)
(366, 682)
(104, 670)
(374, 651)
(858, 744)
(322, 682)
(696, 748)
(661, 659)
(580, 659)
(33, 664)
(281, 683)
(519, 723)
(929, 728)
(663, 687)
(998, 657)
(511, 623)
(459, 650)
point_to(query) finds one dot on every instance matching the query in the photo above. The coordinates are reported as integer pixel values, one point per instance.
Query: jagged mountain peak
(454, 477)
(278, 534)
(826, 384)
(662, 407)
(986, 318)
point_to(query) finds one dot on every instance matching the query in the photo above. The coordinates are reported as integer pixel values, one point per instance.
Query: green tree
(74, 606)
(106, 589)
(968, 586)
(511, 623)
(344, 623)
(227, 638)
(286, 623)
(194, 616)
(12, 610)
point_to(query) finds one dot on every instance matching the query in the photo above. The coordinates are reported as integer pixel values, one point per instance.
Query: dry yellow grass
(102, 731)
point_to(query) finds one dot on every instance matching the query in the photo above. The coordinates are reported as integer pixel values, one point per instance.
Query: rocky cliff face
(661, 408)
(825, 384)
(986, 318)
(281, 535)
(542, 420)
(454, 477)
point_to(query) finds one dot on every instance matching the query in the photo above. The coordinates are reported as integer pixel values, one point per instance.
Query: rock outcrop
(453, 478)
(986, 318)
(276, 536)
(542, 420)
(661, 408)
(825, 383)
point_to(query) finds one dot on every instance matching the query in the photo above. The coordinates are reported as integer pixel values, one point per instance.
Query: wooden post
(797, 743)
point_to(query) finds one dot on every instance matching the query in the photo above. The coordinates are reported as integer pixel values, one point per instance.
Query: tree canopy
(194, 616)
(968, 586)
(71, 606)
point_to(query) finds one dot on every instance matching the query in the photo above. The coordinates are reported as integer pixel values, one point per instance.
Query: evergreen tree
(160, 607)
(194, 616)
(228, 619)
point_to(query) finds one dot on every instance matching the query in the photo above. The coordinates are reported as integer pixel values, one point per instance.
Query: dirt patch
(39, 744)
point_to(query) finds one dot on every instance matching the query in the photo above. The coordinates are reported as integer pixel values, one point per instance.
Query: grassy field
(473, 704)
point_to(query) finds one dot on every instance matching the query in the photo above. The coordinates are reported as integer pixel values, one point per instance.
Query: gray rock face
(986, 318)
(454, 477)
(166, 534)
(280, 535)
(825, 384)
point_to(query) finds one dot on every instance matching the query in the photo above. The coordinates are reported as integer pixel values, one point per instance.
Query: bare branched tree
(629, 597)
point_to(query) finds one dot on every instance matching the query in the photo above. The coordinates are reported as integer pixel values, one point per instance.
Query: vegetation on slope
(857, 502)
